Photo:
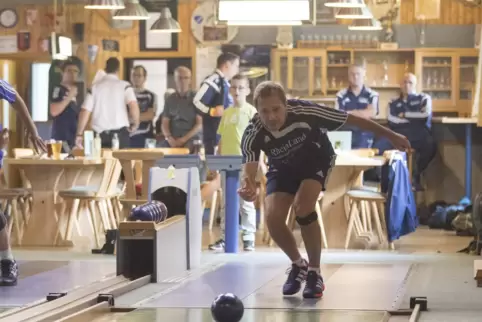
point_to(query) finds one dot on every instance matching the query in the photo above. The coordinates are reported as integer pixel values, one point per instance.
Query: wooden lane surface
(46, 177)
(341, 179)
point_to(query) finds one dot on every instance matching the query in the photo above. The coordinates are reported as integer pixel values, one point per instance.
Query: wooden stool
(17, 216)
(360, 216)
(291, 223)
(215, 207)
(101, 202)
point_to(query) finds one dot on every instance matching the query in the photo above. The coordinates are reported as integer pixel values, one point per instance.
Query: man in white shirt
(107, 105)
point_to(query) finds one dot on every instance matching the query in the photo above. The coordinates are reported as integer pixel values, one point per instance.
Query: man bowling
(292, 133)
(8, 266)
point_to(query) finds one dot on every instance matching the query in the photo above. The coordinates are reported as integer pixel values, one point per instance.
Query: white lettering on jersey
(289, 147)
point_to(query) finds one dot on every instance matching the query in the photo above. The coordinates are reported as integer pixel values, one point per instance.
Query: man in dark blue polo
(410, 114)
(213, 97)
(147, 101)
(358, 100)
(64, 107)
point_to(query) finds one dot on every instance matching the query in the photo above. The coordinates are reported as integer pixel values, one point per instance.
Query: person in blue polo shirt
(213, 98)
(358, 100)
(64, 107)
(410, 114)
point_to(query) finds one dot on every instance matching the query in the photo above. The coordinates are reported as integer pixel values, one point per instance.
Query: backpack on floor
(475, 245)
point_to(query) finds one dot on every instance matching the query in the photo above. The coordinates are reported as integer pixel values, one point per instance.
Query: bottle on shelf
(97, 146)
(115, 142)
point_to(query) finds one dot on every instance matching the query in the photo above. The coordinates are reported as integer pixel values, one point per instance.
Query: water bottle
(115, 142)
(199, 150)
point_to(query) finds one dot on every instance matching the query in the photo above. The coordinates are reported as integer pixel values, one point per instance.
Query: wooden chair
(96, 200)
(368, 207)
(146, 159)
(17, 201)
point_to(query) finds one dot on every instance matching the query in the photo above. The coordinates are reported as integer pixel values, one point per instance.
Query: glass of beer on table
(54, 148)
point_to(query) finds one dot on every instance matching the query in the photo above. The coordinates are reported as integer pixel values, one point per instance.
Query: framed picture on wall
(151, 41)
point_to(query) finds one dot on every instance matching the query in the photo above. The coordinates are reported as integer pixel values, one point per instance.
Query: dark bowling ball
(151, 211)
(227, 308)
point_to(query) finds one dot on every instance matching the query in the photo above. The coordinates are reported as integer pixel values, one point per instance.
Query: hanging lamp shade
(345, 3)
(132, 11)
(365, 25)
(354, 13)
(166, 23)
(105, 4)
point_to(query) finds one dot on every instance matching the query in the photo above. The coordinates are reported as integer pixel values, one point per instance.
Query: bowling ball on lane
(227, 308)
(151, 211)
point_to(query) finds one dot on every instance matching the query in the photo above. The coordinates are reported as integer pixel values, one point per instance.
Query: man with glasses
(180, 123)
(410, 114)
(147, 102)
(64, 107)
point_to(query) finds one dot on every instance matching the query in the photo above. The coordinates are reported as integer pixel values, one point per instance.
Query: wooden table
(334, 207)
(46, 178)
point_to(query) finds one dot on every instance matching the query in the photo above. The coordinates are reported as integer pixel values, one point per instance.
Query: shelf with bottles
(467, 76)
(300, 80)
(385, 69)
(437, 80)
(341, 41)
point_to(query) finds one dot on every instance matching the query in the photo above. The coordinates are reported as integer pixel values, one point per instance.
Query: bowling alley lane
(250, 315)
(38, 278)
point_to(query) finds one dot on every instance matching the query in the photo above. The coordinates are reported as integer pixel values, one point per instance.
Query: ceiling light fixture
(105, 4)
(132, 11)
(345, 4)
(354, 13)
(166, 23)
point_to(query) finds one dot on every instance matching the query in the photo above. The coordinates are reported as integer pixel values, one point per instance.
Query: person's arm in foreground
(251, 153)
(18, 104)
(331, 119)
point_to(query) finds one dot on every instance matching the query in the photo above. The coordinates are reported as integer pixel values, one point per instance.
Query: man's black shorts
(289, 180)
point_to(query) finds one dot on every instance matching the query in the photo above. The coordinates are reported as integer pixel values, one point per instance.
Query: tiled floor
(361, 285)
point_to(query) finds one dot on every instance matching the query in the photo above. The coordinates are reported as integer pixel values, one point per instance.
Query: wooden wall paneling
(97, 28)
(452, 12)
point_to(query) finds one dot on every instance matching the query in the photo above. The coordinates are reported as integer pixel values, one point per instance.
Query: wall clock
(204, 27)
(8, 18)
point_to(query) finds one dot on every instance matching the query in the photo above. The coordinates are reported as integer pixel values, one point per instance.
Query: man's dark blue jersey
(300, 142)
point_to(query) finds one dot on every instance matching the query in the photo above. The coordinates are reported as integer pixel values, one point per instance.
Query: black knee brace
(3, 221)
(305, 221)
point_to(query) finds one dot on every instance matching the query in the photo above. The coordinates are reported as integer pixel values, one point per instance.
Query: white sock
(6, 254)
(314, 269)
(300, 262)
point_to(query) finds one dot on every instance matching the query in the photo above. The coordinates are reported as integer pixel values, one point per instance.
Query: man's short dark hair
(112, 65)
(144, 71)
(266, 89)
(69, 62)
(226, 57)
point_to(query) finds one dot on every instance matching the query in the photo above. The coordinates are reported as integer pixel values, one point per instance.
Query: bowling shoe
(218, 245)
(9, 272)
(296, 276)
(248, 245)
(314, 286)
